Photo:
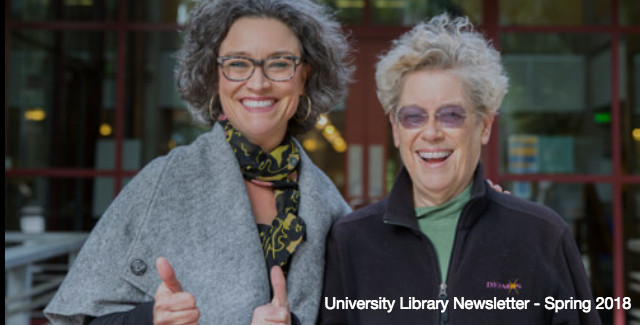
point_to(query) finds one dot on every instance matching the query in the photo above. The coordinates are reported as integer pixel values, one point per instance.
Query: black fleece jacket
(505, 249)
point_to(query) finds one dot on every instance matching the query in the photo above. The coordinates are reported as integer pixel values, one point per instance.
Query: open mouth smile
(435, 156)
(251, 103)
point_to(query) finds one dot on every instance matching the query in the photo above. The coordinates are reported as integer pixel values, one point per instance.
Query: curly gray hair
(444, 44)
(323, 44)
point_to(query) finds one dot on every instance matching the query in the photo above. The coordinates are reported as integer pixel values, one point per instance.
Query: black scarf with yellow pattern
(278, 169)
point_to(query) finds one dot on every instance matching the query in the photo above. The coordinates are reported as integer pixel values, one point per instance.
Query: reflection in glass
(587, 209)
(160, 11)
(61, 90)
(629, 12)
(410, 12)
(552, 12)
(64, 204)
(631, 228)
(349, 12)
(84, 10)
(556, 117)
(630, 103)
(157, 119)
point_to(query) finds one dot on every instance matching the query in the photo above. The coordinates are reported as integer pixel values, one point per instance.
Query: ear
(487, 123)
(394, 127)
(305, 73)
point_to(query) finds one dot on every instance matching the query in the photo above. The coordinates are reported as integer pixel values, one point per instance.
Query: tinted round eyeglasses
(413, 117)
(277, 68)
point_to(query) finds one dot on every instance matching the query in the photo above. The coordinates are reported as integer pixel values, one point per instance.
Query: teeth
(434, 155)
(257, 103)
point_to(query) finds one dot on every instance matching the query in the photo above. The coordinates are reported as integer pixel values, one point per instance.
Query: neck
(436, 199)
(266, 142)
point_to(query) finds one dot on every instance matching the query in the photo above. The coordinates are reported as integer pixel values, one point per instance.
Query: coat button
(138, 267)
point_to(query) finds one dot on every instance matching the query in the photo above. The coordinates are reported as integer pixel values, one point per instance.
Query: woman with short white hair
(443, 248)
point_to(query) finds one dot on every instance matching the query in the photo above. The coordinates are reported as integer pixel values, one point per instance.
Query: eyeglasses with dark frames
(276, 68)
(413, 116)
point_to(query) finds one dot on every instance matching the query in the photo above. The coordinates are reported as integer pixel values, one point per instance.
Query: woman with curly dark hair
(234, 223)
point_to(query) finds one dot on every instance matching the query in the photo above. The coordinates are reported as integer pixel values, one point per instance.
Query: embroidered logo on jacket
(511, 286)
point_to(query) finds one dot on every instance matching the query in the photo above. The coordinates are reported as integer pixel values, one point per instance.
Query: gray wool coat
(192, 207)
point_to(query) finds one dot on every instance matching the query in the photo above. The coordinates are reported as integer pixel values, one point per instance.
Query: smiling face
(258, 107)
(440, 158)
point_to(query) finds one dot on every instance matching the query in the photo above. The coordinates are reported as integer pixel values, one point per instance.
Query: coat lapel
(307, 268)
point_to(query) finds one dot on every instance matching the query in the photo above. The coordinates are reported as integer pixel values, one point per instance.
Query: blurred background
(90, 99)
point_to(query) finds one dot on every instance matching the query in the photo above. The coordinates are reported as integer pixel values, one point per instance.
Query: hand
(172, 306)
(277, 311)
(497, 187)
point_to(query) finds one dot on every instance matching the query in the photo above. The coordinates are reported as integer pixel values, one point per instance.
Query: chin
(437, 184)
(259, 127)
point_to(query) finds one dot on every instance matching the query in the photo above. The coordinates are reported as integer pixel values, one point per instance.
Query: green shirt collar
(448, 208)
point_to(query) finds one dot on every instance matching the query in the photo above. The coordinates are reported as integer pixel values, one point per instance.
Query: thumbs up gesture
(172, 305)
(277, 311)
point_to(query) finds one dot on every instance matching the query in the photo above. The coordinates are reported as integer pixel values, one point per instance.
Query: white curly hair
(446, 44)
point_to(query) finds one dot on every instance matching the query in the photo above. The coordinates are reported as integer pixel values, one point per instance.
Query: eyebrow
(272, 54)
(439, 107)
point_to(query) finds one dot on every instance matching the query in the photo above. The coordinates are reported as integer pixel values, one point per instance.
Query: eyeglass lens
(277, 69)
(413, 116)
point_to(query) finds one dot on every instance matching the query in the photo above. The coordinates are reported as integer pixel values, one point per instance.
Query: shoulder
(187, 170)
(363, 219)
(526, 214)
(209, 146)
(316, 183)
(207, 150)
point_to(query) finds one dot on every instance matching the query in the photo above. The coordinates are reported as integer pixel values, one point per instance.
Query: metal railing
(29, 282)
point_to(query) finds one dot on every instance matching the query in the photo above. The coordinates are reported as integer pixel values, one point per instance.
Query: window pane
(631, 228)
(61, 97)
(83, 10)
(161, 11)
(410, 12)
(553, 12)
(349, 12)
(556, 117)
(630, 103)
(156, 118)
(587, 209)
(630, 12)
(60, 204)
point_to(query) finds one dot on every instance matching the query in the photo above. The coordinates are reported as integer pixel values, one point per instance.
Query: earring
(308, 109)
(213, 97)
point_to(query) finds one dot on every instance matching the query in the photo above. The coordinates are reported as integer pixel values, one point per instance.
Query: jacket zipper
(443, 286)
(442, 295)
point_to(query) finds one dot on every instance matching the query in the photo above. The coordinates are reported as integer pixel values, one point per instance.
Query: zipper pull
(443, 296)
(443, 291)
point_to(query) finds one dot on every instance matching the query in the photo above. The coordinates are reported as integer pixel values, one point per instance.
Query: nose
(431, 131)
(257, 81)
